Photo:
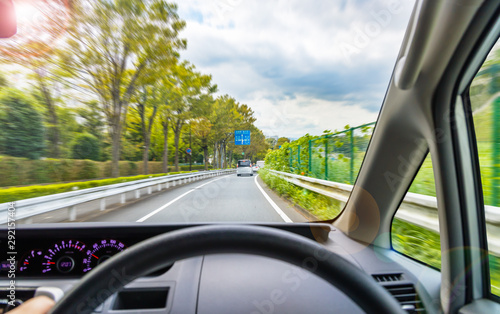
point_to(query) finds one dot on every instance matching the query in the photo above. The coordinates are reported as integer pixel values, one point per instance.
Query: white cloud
(323, 64)
(298, 116)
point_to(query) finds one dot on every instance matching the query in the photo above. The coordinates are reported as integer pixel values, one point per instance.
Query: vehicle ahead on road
(196, 247)
(244, 167)
(260, 163)
(255, 168)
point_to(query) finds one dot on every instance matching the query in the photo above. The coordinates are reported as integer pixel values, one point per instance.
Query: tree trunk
(54, 130)
(145, 154)
(216, 155)
(223, 148)
(165, 147)
(220, 156)
(205, 156)
(223, 155)
(146, 126)
(176, 138)
(53, 119)
(115, 151)
(214, 159)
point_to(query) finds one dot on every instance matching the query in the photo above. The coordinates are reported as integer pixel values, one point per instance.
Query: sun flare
(26, 12)
(40, 24)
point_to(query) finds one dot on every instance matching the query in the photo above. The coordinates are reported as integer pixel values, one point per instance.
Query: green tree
(202, 129)
(3, 81)
(93, 120)
(281, 141)
(46, 90)
(86, 146)
(186, 92)
(271, 142)
(165, 126)
(146, 107)
(258, 148)
(22, 125)
(68, 129)
(34, 50)
(225, 119)
(113, 45)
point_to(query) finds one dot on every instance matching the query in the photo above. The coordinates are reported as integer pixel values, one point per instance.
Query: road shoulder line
(273, 204)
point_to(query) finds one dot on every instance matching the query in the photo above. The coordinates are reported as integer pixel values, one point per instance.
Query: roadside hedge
(22, 171)
(25, 192)
(322, 207)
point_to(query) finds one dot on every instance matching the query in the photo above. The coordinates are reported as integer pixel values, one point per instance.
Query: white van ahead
(244, 167)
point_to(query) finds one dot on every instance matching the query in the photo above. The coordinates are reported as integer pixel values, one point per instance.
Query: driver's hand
(38, 305)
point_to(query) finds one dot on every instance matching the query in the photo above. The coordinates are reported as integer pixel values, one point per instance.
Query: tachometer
(101, 251)
(31, 263)
(64, 257)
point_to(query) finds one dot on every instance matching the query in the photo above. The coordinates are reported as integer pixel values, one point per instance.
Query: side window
(415, 228)
(485, 106)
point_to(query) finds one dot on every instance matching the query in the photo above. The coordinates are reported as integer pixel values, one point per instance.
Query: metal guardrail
(28, 208)
(417, 209)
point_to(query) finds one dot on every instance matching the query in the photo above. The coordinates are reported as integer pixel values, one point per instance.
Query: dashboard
(58, 255)
(73, 252)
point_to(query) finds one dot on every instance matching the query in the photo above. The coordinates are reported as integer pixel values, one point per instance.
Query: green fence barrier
(338, 157)
(335, 157)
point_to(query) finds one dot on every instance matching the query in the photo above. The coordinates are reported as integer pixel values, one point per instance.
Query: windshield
(157, 111)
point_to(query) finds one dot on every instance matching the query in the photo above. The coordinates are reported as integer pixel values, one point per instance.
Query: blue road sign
(188, 151)
(242, 137)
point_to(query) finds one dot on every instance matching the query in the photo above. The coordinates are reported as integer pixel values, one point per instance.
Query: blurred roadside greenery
(22, 171)
(21, 193)
(113, 87)
(424, 246)
(324, 208)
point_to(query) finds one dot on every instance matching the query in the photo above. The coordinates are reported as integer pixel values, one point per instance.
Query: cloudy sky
(303, 66)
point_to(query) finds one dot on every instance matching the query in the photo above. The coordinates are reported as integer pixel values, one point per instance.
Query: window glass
(485, 106)
(244, 163)
(415, 228)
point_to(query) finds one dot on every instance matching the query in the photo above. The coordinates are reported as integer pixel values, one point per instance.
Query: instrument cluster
(68, 257)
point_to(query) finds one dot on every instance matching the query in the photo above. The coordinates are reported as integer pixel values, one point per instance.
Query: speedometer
(101, 251)
(64, 257)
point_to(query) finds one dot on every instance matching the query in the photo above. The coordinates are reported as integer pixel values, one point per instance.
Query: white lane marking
(173, 201)
(273, 204)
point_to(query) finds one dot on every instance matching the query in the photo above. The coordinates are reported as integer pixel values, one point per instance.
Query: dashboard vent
(388, 277)
(407, 296)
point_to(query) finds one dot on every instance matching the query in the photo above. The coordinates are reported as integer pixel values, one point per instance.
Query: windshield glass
(149, 111)
(244, 163)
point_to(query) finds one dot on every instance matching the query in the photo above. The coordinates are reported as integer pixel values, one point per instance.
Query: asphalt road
(221, 199)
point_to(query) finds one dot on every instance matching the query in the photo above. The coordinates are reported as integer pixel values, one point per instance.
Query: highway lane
(221, 199)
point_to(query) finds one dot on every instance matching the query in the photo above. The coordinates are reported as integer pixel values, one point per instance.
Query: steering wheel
(157, 252)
